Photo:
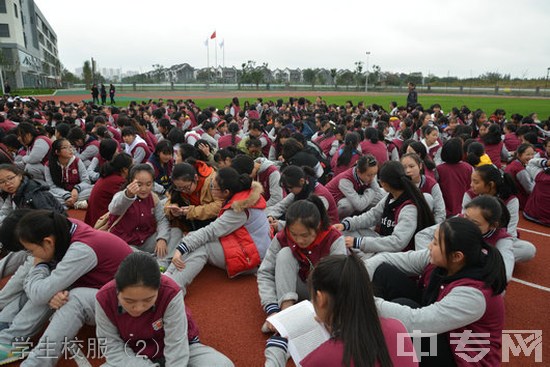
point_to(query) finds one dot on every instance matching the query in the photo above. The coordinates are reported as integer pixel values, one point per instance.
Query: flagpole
(216, 54)
(207, 61)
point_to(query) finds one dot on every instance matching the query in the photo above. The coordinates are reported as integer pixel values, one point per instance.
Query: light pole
(546, 83)
(367, 79)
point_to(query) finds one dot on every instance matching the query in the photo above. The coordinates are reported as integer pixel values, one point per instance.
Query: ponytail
(116, 165)
(351, 141)
(393, 173)
(229, 179)
(354, 319)
(504, 183)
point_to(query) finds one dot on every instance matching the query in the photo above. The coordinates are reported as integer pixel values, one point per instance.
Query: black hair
(243, 164)
(164, 146)
(116, 165)
(531, 137)
(291, 176)
(223, 154)
(53, 162)
(353, 318)
(128, 130)
(75, 134)
(138, 269)
(38, 224)
(350, 146)
(140, 168)
(229, 179)
(393, 174)
(493, 136)
(474, 152)
(310, 212)
(522, 148)
(184, 172)
(63, 129)
(422, 152)
(365, 162)
(493, 210)
(460, 234)
(10, 241)
(452, 152)
(372, 134)
(504, 183)
(176, 136)
(26, 128)
(233, 128)
(108, 148)
(290, 148)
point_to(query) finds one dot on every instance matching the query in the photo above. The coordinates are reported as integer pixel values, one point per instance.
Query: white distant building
(29, 46)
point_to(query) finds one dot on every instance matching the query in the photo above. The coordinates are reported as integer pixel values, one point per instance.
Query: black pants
(393, 285)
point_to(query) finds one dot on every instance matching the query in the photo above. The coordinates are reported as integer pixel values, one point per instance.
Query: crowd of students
(308, 195)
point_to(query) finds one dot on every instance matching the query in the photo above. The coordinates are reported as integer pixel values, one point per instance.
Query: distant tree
(310, 76)
(359, 72)
(415, 78)
(333, 73)
(252, 74)
(68, 77)
(87, 74)
(346, 78)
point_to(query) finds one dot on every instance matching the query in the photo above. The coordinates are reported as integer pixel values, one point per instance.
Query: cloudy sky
(459, 37)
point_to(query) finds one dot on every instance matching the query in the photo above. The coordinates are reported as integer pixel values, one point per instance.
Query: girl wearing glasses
(20, 191)
(236, 241)
(67, 176)
(191, 203)
(356, 189)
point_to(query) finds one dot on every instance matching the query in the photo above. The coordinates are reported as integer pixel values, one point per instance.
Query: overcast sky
(460, 37)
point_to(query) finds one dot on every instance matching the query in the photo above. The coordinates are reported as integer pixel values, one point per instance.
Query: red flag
(213, 35)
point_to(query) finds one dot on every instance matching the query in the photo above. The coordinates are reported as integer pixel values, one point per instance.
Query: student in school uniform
(523, 180)
(136, 215)
(236, 241)
(491, 216)
(86, 146)
(300, 183)
(342, 297)
(347, 155)
(414, 169)
(460, 275)
(71, 261)
(454, 176)
(372, 145)
(135, 145)
(432, 143)
(263, 171)
(420, 149)
(20, 191)
(534, 211)
(356, 189)
(488, 180)
(113, 178)
(142, 317)
(38, 147)
(306, 238)
(108, 148)
(494, 146)
(67, 176)
(162, 161)
(396, 218)
(326, 138)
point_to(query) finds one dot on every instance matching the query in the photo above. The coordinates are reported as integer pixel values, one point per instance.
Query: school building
(29, 56)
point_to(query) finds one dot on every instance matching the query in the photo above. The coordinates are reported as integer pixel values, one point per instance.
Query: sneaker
(81, 204)
(9, 354)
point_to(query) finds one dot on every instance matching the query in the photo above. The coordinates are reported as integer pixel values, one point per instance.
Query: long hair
(493, 210)
(310, 212)
(116, 165)
(504, 183)
(393, 173)
(38, 224)
(460, 234)
(351, 141)
(53, 162)
(229, 179)
(354, 319)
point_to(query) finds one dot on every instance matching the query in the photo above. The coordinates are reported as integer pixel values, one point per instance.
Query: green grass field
(523, 106)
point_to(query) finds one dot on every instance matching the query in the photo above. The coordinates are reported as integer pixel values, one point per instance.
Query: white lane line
(531, 284)
(535, 232)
